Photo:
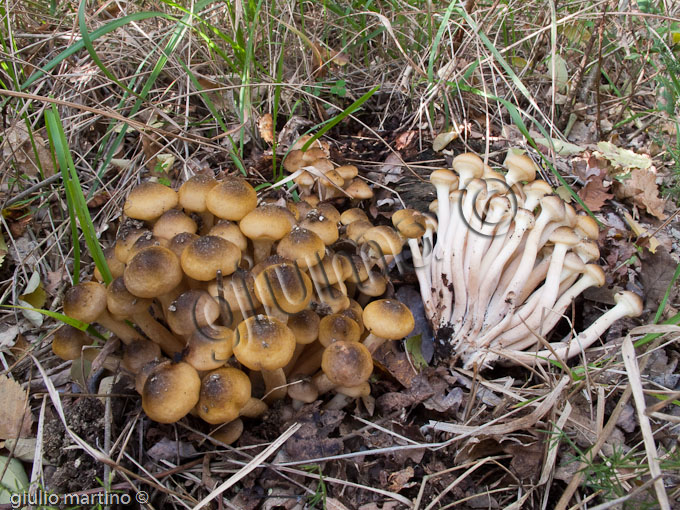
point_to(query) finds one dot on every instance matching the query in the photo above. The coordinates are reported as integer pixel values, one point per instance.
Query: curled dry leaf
(17, 147)
(15, 416)
(642, 189)
(594, 193)
(266, 127)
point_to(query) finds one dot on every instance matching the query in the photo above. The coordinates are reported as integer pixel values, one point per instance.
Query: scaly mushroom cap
(209, 347)
(170, 392)
(152, 272)
(193, 193)
(180, 242)
(267, 222)
(85, 301)
(231, 199)
(631, 301)
(337, 327)
(588, 227)
(138, 353)
(173, 222)
(127, 236)
(207, 255)
(149, 200)
(347, 363)
(302, 246)
(122, 302)
(388, 318)
(356, 229)
(351, 215)
(285, 287)
(230, 231)
(263, 343)
(191, 310)
(116, 267)
(321, 225)
(329, 211)
(443, 177)
(359, 190)
(347, 172)
(68, 342)
(222, 395)
(468, 166)
(305, 326)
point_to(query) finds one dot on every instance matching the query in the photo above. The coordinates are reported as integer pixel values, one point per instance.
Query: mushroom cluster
(217, 298)
(508, 260)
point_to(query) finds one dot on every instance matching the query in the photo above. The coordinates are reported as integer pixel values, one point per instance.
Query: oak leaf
(594, 193)
(642, 189)
(15, 417)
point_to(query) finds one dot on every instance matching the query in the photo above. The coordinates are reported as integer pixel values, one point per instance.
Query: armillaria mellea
(508, 260)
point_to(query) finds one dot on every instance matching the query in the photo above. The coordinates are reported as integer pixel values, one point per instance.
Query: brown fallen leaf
(18, 147)
(100, 198)
(655, 275)
(15, 417)
(405, 139)
(594, 193)
(641, 187)
(398, 480)
(266, 127)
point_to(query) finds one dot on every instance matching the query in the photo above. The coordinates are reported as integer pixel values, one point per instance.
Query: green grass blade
(74, 192)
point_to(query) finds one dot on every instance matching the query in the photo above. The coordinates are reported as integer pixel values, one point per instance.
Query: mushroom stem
(275, 385)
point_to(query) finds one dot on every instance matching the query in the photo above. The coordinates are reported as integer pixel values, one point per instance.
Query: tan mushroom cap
(207, 255)
(179, 243)
(357, 229)
(231, 199)
(127, 237)
(264, 343)
(305, 326)
(144, 241)
(329, 211)
(351, 215)
(223, 393)
(347, 172)
(468, 166)
(336, 327)
(444, 177)
(330, 271)
(588, 227)
(521, 167)
(68, 342)
(334, 299)
(321, 225)
(170, 392)
(229, 230)
(302, 246)
(152, 272)
(209, 347)
(149, 200)
(388, 318)
(238, 290)
(384, 237)
(270, 222)
(194, 192)
(116, 267)
(284, 287)
(409, 222)
(191, 310)
(173, 222)
(121, 302)
(359, 190)
(347, 363)
(138, 353)
(85, 301)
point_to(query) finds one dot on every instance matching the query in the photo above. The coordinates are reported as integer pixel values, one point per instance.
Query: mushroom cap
(173, 222)
(223, 393)
(263, 343)
(125, 240)
(231, 199)
(357, 228)
(138, 353)
(178, 244)
(285, 287)
(596, 274)
(443, 177)
(388, 318)
(322, 165)
(207, 255)
(587, 250)
(352, 215)
(329, 211)
(333, 298)
(535, 190)
(85, 301)
(553, 207)
(468, 166)
(347, 172)
(68, 342)
(302, 246)
(170, 392)
(209, 347)
(238, 290)
(565, 235)
(229, 230)
(336, 327)
(386, 238)
(122, 302)
(631, 301)
(409, 222)
(375, 285)
(359, 190)
(588, 227)
(144, 241)
(116, 267)
(152, 272)
(193, 193)
(149, 200)
(321, 225)
(294, 160)
(521, 167)
(270, 222)
(305, 326)
(191, 310)
(347, 363)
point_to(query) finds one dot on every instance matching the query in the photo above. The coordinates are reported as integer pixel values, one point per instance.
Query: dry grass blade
(635, 381)
(252, 465)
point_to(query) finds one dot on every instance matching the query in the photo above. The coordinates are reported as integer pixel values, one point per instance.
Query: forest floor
(117, 93)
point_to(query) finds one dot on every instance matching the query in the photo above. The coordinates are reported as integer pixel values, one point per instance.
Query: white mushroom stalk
(505, 264)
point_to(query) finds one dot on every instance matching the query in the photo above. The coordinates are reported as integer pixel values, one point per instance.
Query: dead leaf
(390, 171)
(641, 187)
(623, 158)
(405, 139)
(266, 127)
(17, 147)
(655, 275)
(651, 242)
(443, 139)
(8, 335)
(34, 296)
(594, 193)
(15, 416)
(100, 198)
(398, 480)
(168, 449)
